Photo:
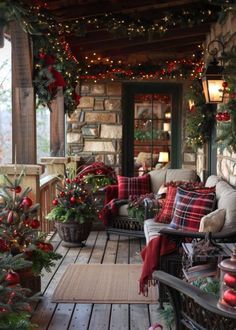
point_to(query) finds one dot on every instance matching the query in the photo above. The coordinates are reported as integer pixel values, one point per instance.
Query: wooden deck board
(118, 249)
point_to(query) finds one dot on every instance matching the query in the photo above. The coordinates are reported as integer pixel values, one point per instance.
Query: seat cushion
(135, 186)
(190, 207)
(151, 229)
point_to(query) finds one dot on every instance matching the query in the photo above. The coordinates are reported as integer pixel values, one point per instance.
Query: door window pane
(152, 131)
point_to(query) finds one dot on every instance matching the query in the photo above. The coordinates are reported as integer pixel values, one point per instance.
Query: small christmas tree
(15, 308)
(19, 227)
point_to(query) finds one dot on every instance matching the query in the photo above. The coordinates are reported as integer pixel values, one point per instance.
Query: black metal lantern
(212, 79)
(227, 301)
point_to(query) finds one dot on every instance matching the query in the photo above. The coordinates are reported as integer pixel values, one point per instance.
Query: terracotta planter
(29, 280)
(72, 233)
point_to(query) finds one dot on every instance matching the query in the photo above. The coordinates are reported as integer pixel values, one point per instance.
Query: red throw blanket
(151, 254)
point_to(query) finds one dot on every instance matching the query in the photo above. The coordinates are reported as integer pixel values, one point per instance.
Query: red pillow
(167, 211)
(139, 185)
(190, 207)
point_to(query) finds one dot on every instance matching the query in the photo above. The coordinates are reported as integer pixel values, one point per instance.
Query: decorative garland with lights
(49, 39)
(200, 117)
(188, 68)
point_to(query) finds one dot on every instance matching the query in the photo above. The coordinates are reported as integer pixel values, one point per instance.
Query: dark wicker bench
(122, 225)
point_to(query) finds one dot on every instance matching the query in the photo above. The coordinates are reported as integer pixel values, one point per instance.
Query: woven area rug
(102, 283)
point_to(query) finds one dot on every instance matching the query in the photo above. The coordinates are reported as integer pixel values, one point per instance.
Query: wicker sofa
(121, 224)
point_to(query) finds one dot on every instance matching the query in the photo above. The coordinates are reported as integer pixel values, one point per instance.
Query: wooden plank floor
(119, 249)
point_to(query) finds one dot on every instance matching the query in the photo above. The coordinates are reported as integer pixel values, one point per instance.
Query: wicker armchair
(193, 308)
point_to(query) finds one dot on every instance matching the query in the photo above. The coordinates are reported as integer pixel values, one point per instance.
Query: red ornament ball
(230, 280)
(68, 180)
(27, 201)
(12, 277)
(46, 247)
(34, 224)
(229, 297)
(18, 189)
(72, 199)
(62, 193)
(224, 84)
(55, 202)
(3, 245)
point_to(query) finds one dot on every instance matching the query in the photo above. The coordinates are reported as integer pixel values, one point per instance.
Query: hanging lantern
(227, 300)
(212, 79)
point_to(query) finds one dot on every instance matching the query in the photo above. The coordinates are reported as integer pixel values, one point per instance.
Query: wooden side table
(195, 266)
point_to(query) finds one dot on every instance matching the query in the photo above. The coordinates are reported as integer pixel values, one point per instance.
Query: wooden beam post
(30, 179)
(23, 98)
(57, 125)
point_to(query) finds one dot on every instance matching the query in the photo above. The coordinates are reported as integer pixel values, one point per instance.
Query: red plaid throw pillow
(139, 185)
(191, 206)
(167, 211)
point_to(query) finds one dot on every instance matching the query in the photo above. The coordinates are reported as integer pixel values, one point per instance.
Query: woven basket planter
(73, 233)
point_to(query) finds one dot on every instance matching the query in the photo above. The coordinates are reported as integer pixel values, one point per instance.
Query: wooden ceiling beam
(74, 9)
(190, 43)
(105, 39)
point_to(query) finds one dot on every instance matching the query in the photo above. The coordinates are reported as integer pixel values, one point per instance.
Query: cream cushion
(212, 181)
(226, 199)
(213, 222)
(158, 177)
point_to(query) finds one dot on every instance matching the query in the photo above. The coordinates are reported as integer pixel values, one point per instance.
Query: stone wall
(94, 130)
(226, 32)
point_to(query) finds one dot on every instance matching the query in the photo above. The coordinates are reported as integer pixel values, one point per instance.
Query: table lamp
(163, 157)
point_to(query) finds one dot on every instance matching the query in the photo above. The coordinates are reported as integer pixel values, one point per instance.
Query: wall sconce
(212, 79)
(163, 157)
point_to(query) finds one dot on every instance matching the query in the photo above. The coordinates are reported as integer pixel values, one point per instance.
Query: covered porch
(120, 93)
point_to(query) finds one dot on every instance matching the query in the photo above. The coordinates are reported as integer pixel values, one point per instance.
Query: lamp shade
(212, 81)
(163, 157)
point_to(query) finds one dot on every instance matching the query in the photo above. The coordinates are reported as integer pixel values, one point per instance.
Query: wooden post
(23, 98)
(31, 177)
(57, 125)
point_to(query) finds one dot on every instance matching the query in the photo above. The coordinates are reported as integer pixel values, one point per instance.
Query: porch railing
(47, 194)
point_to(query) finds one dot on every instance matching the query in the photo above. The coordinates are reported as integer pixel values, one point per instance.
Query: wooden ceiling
(178, 41)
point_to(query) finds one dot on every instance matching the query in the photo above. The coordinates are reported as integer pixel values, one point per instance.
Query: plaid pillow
(166, 213)
(139, 185)
(190, 207)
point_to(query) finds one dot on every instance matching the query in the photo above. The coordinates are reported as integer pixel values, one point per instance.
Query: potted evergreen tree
(74, 211)
(19, 232)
